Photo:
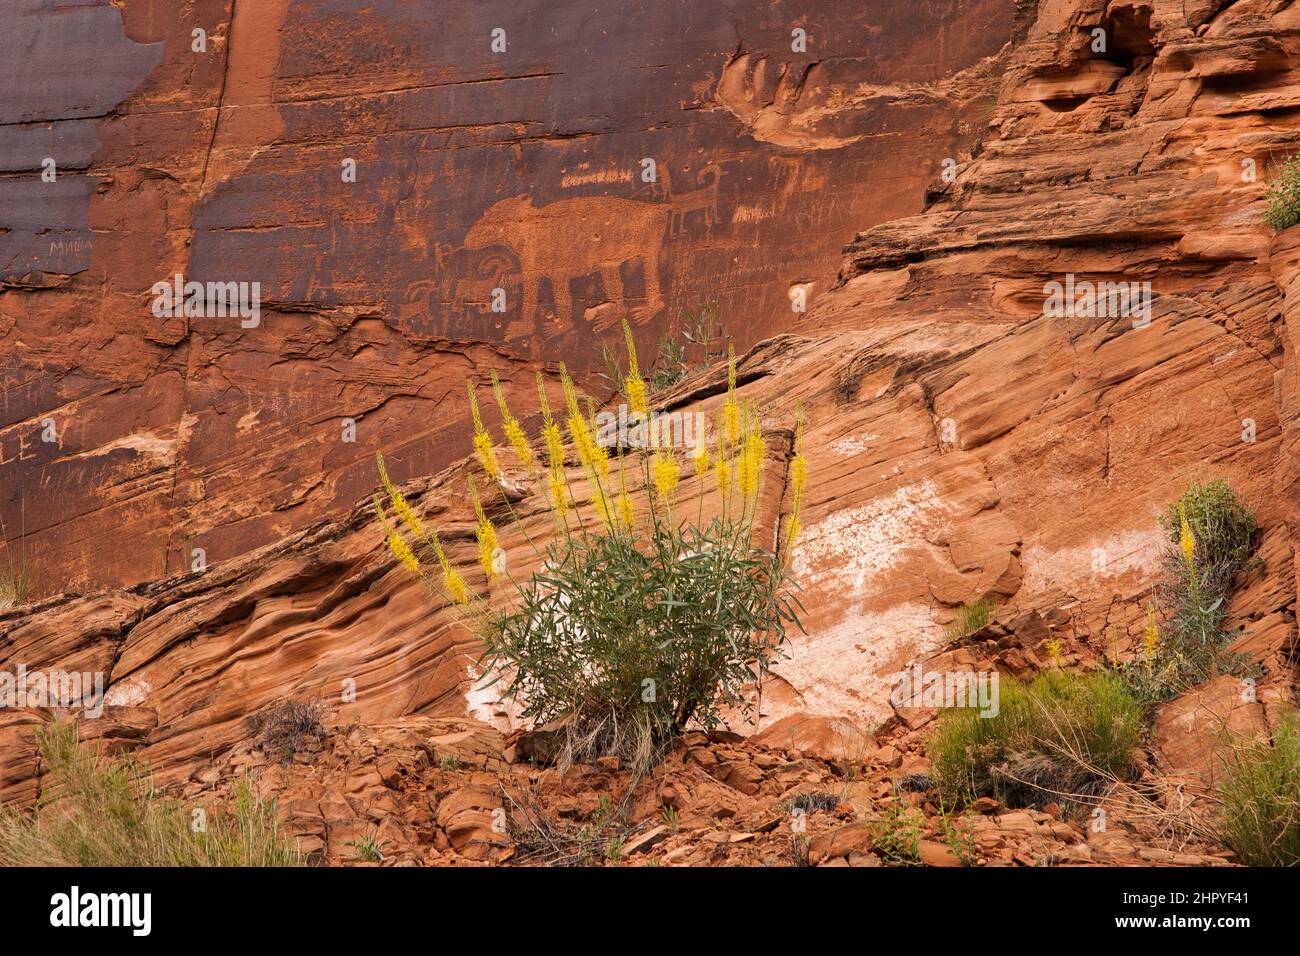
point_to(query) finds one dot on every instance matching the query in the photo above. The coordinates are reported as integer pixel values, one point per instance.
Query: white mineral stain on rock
(843, 666)
(853, 445)
(1046, 569)
(847, 670)
(844, 552)
(129, 694)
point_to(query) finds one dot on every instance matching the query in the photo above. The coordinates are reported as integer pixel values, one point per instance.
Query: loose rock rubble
(441, 792)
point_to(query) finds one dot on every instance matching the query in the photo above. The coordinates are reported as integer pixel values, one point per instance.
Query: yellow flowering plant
(640, 616)
(1211, 537)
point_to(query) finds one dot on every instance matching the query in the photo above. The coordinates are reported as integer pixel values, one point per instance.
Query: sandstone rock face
(228, 157)
(962, 441)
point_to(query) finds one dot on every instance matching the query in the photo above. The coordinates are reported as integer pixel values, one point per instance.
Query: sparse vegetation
(1260, 817)
(958, 835)
(811, 802)
(614, 850)
(286, 728)
(541, 838)
(697, 346)
(1283, 195)
(15, 573)
(970, 618)
(451, 764)
(898, 836)
(99, 811)
(369, 848)
(1061, 737)
(799, 853)
(1211, 536)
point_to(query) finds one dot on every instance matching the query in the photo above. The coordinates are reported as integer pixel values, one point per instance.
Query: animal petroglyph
(681, 205)
(573, 238)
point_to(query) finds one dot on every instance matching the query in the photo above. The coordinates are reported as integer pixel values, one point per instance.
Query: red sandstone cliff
(961, 442)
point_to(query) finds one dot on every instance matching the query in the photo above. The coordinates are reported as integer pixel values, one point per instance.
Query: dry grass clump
(1062, 736)
(1260, 813)
(286, 728)
(99, 811)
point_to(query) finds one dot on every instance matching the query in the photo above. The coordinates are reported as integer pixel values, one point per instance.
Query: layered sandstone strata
(962, 443)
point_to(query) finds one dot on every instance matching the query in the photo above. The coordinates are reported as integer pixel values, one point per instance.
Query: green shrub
(958, 835)
(1222, 526)
(1060, 737)
(1283, 196)
(98, 811)
(641, 617)
(694, 348)
(629, 641)
(1260, 819)
(1211, 535)
(970, 618)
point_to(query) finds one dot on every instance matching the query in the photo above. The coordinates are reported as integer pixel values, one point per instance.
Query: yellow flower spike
(634, 386)
(798, 465)
(701, 459)
(570, 392)
(792, 531)
(486, 535)
(559, 494)
(582, 440)
(1151, 635)
(626, 513)
(400, 505)
(752, 454)
(455, 585)
(397, 544)
(487, 455)
(603, 509)
(543, 402)
(451, 579)
(1054, 651)
(722, 474)
(599, 453)
(1186, 539)
(731, 407)
(583, 443)
(514, 431)
(664, 471)
(554, 446)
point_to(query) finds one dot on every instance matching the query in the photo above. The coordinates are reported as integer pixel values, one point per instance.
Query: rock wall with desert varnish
(475, 170)
(961, 441)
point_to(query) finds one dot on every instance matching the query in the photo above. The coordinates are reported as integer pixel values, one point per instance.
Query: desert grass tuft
(970, 618)
(99, 811)
(1061, 736)
(1260, 814)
